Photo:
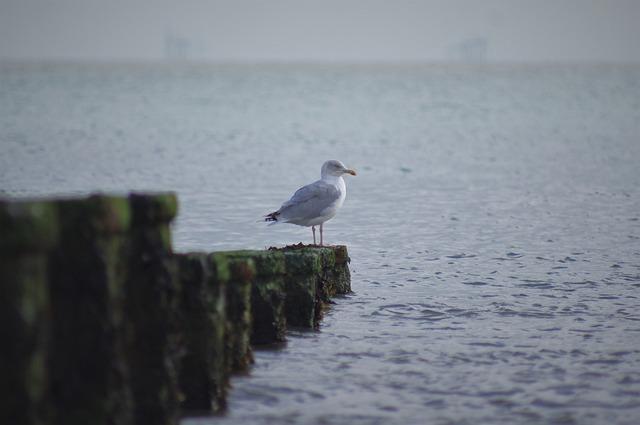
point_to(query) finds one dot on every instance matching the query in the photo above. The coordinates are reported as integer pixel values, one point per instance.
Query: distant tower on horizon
(177, 48)
(469, 50)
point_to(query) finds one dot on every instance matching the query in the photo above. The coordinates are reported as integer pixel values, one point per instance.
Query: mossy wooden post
(27, 231)
(151, 310)
(313, 276)
(203, 376)
(87, 369)
(267, 296)
(342, 275)
(238, 354)
(303, 273)
(337, 277)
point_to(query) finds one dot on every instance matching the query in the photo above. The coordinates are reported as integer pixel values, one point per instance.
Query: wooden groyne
(102, 323)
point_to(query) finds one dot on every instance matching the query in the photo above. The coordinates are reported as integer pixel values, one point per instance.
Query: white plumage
(317, 202)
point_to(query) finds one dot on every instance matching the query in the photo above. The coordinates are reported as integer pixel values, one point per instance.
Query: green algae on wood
(267, 295)
(151, 309)
(314, 275)
(27, 226)
(130, 321)
(88, 376)
(336, 278)
(339, 276)
(238, 353)
(304, 270)
(203, 374)
(28, 230)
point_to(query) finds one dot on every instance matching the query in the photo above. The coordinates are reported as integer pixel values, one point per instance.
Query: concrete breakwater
(102, 323)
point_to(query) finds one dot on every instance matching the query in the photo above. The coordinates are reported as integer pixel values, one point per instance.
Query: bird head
(333, 167)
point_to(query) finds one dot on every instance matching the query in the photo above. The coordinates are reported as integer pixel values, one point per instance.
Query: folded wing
(309, 201)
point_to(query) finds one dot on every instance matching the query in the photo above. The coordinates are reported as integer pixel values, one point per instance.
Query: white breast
(331, 210)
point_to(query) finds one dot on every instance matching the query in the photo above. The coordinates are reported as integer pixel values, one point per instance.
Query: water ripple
(493, 227)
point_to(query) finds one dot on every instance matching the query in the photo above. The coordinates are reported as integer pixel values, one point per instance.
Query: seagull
(316, 202)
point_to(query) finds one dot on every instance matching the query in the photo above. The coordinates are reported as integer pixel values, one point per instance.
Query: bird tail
(272, 218)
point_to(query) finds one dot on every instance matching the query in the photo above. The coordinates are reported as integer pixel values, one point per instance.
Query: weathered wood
(267, 295)
(238, 352)
(88, 377)
(109, 327)
(28, 230)
(203, 373)
(313, 276)
(303, 279)
(337, 274)
(151, 307)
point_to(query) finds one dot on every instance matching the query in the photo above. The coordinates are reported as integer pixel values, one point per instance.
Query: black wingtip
(272, 217)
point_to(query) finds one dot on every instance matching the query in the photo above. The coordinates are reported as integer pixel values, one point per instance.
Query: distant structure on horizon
(181, 48)
(469, 50)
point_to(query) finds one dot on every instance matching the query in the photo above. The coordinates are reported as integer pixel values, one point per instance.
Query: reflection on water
(494, 225)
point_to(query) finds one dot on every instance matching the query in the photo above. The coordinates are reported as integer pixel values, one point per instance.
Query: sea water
(494, 225)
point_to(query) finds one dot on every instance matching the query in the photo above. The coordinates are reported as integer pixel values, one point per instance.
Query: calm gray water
(494, 225)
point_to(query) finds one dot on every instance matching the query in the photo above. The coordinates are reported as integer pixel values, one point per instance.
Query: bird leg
(313, 229)
(321, 233)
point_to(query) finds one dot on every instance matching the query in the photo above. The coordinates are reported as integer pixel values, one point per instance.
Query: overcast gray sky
(330, 30)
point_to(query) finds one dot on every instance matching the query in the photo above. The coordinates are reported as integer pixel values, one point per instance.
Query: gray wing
(309, 201)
